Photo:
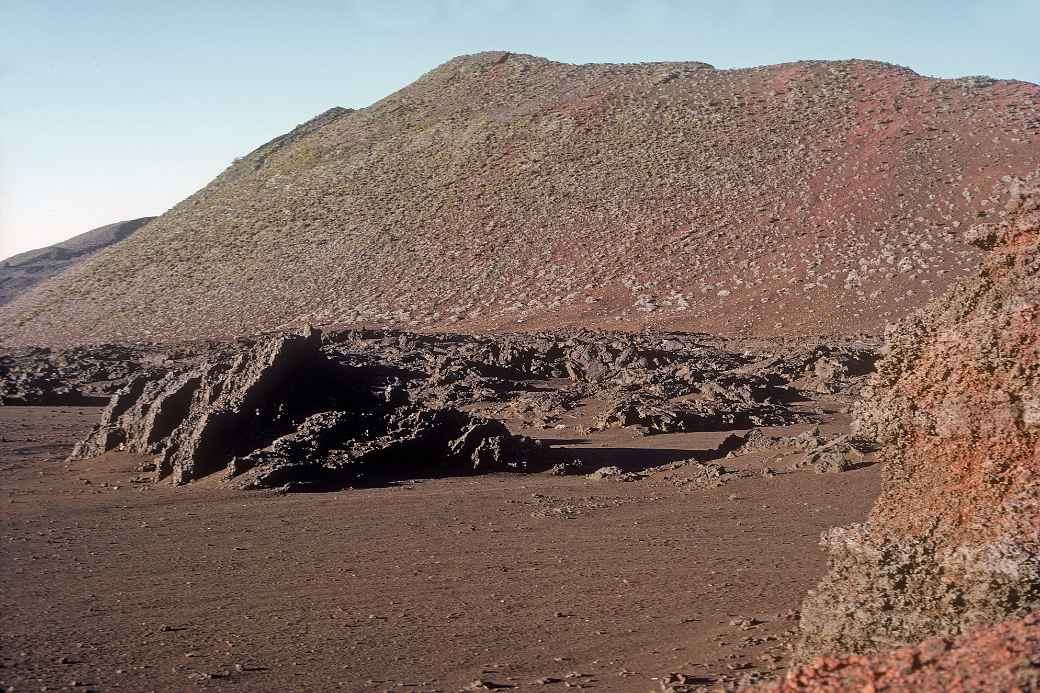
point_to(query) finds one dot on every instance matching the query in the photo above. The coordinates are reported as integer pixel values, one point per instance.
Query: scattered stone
(616, 473)
(486, 685)
(567, 468)
(744, 622)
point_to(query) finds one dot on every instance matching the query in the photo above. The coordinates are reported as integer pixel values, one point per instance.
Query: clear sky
(118, 109)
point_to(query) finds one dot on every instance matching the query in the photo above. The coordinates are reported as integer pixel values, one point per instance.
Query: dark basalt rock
(717, 409)
(80, 376)
(308, 410)
(278, 411)
(325, 451)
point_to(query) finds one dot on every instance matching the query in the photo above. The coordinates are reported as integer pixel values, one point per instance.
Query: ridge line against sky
(115, 109)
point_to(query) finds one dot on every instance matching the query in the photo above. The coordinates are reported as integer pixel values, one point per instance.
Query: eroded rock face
(277, 411)
(954, 540)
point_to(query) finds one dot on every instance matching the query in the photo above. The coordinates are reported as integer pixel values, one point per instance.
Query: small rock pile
(820, 452)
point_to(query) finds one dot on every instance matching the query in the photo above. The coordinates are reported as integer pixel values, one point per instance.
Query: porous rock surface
(504, 191)
(718, 377)
(277, 412)
(954, 540)
(1000, 657)
(649, 382)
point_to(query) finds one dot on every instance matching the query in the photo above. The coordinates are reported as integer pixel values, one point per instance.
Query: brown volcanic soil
(503, 191)
(425, 586)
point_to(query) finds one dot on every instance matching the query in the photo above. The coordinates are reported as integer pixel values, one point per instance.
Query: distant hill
(503, 192)
(22, 272)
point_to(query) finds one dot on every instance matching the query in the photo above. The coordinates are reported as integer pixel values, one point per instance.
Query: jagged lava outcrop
(274, 411)
(508, 191)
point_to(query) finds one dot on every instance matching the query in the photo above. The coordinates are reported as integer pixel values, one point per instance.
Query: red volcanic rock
(504, 191)
(954, 540)
(992, 658)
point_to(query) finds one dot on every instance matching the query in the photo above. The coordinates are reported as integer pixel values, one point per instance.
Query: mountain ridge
(20, 272)
(502, 191)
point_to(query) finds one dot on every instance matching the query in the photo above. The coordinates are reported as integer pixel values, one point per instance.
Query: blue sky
(118, 109)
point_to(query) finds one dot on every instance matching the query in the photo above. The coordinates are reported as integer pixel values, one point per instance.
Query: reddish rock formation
(954, 540)
(992, 658)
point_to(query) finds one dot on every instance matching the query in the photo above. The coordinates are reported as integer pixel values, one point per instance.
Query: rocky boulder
(277, 411)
